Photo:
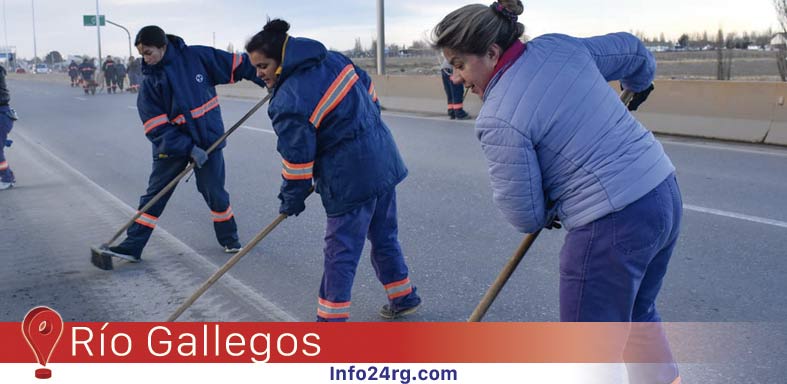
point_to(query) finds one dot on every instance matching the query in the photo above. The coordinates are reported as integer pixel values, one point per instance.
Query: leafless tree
(723, 67)
(781, 49)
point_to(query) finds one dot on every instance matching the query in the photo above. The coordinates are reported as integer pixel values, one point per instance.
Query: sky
(58, 23)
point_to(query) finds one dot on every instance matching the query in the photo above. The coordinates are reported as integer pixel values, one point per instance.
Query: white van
(42, 68)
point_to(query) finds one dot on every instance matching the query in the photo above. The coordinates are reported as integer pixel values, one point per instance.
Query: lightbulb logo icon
(42, 328)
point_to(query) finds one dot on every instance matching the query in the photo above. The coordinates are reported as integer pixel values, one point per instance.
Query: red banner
(340, 342)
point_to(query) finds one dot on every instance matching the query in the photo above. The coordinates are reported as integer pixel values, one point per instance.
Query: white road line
(730, 148)
(733, 215)
(240, 289)
(249, 127)
(131, 107)
(80, 98)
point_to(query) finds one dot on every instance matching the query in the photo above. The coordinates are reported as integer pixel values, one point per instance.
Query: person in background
(454, 93)
(134, 73)
(561, 146)
(108, 68)
(7, 118)
(87, 71)
(326, 115)
(181, 117)
(73, 73)
(120, 75)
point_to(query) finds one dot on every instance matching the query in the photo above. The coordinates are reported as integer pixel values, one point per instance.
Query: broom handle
(185, 171)
(226, 267)
(502, 278)
(230, 263)
(513, 262)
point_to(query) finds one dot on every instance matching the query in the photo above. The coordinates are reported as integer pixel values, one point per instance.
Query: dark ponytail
(270, 40)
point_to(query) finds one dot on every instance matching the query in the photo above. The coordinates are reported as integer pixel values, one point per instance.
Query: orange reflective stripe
(3, 165)
(372, 92)
(334, 95)
(236, 61)
(220, 217)
(179, 120)
(330, 310)
(399, 288)
(455, 106)
(147, 220)
(331, 304)
(154, 122)
(204, 108)
(677, 380)
(326, 315)
(296, 165)
(293, 171)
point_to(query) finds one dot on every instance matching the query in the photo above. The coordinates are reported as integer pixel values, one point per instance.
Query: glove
(8, 143)
(552, 221)
(291, 208)
(198, 156)
(554, 224)
(639, 98)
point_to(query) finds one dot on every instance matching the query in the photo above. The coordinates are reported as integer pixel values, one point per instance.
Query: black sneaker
(462, 115)
(234, 248)
(122, 253)
(387, 313)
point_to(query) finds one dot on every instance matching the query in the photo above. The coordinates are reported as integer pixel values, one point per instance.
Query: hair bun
(276, 26)
(513, 6)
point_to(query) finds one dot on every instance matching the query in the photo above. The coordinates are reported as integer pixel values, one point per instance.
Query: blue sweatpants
(210, 183)
(6, 124)
(345, 236)
(611, 270)
(454, 94)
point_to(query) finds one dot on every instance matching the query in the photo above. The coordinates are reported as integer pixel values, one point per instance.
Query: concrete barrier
(728, 110)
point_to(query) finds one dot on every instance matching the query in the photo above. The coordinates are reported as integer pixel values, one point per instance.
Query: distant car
(42, 68)
(20, 70)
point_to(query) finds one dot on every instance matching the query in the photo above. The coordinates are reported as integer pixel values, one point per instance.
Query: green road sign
(90, 20)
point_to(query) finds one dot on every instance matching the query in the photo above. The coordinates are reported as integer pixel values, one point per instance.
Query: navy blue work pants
(210, 183)
(6, 124)
(454, 93)
(345, 236)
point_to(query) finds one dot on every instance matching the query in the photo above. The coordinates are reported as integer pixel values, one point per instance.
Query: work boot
(460, 114)
(123, 253)
(451, 114)
(391, 314)
(4, 185)
(233, 248)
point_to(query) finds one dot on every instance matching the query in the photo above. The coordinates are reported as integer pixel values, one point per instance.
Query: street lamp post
(127, 33)
(35, 51)
(98, 32)
(380, 37)
(5, 32)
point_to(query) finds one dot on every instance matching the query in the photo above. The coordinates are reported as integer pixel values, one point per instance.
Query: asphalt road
(729, 265)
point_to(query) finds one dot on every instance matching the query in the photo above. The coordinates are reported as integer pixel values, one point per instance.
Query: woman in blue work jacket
(326, 115)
